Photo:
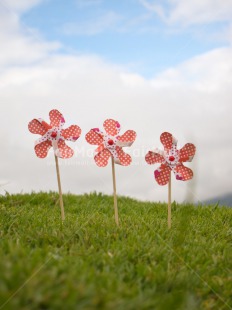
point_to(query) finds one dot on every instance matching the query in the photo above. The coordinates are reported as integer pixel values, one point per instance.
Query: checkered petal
(93, 137)
(162, 174)
(127, 138)
(187, 152)
(72, 133)
(56, 118)
(41, 149)
(124, 159)
(64, 151)
(153, 158)
(36, 127)
(166, 139)
(183, 173)
(111, 127)
(102, 158)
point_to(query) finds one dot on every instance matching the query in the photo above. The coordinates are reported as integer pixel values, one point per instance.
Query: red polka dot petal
(125, 159)
(64, 150)
(93, 137)
(128, 136)
(36, 127)
(166, 139)
(102, 158)
(42, 149)
(185, 172)
(56, 117)
(153, 158)
(71, 133)
(162, 175)
(111, 127)
(187, 152)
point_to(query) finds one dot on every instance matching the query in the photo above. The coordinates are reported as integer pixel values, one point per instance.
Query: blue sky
(122, 32)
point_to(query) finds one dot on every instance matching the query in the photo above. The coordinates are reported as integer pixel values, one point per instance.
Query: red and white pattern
(171, 159)
(110, 143)
(53, 135)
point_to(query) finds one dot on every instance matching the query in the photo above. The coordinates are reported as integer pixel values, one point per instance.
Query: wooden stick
(60, 191)
(115, 194)
(169, 203)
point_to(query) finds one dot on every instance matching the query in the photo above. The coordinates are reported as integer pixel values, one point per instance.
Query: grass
(89, 263)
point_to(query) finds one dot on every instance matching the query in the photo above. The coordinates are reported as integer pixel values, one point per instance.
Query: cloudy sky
(152, 65)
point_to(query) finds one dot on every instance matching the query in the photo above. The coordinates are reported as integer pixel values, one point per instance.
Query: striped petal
(162, 175)
(111, 127)
(36, 127)
(102, 158)
(72, 133)
(41, 149)
(187, 152)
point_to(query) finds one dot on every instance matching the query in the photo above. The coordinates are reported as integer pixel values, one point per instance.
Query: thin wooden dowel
(60, 191)
(170, 202)
(115, 193)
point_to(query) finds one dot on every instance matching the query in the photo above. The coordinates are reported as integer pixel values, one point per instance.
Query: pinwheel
(171, 160)
(110, 144)
(53, 135)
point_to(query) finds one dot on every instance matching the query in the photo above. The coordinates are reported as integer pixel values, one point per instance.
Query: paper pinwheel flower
(110, 143)
(53, 135)
(171, 159)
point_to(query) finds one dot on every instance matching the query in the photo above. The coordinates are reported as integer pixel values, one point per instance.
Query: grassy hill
(89, 263)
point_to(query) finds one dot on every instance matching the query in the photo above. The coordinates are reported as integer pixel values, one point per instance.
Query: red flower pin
(53, 135)
(171, 159)
(110, 143)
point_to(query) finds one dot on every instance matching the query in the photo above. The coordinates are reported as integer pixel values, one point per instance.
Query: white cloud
(92, 27)
(191, 12)
(192, 100)
(19, 5)
(208, 72)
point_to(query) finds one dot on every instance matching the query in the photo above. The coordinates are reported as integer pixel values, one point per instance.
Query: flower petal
(111, 127)
(64, 151)
(183, 173)
(93, 137)
(127, 138)
(124, 159)
(153, 158)
(56, 118)
(36, 127)
(100, 148)
(41, 149)
(72, 133)
(102, 158)
(162, 174)
(187, 152)
(166, 139)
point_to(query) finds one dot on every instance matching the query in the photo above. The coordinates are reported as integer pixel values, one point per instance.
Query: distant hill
(224, 200)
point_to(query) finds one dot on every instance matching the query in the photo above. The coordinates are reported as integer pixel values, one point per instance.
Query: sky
(152, 65)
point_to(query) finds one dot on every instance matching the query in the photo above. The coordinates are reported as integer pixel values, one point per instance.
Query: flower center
(110, 142)
(171, 158)
(53, 134)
